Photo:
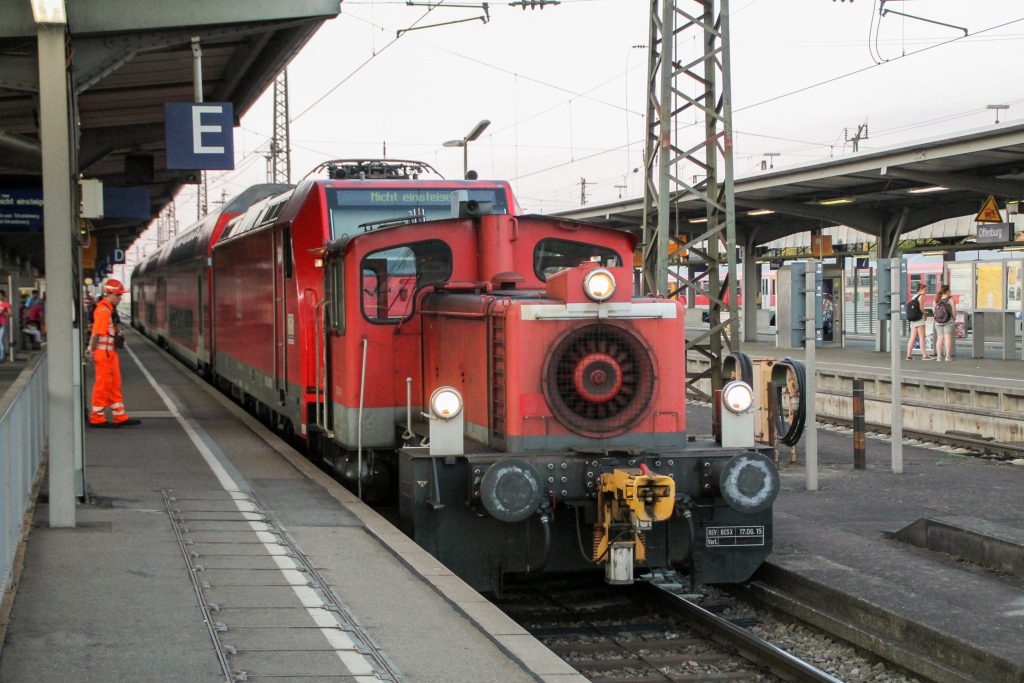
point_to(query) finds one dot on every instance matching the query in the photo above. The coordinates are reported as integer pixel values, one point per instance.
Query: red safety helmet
(114, 287)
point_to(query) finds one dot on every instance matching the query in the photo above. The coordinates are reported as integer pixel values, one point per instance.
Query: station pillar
(58, 236)
(751, 288)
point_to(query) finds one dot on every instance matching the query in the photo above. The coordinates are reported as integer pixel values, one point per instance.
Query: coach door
(284, 331)
(200, 321)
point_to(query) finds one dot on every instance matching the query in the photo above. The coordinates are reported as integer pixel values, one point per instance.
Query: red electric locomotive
(492, 369)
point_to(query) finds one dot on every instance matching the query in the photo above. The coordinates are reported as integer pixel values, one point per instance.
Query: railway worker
(102, 349)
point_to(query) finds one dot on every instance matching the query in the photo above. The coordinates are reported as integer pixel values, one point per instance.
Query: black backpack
(914, 310)
(943, 311)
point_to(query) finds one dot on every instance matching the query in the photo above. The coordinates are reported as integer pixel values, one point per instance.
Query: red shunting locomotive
(491, 369)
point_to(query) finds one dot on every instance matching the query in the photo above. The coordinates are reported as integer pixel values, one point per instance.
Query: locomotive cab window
(390, 278)
(552, 255)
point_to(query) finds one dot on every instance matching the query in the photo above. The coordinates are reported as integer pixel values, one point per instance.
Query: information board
(1013, 286)
(961, 285)
(21, 210)
(991, 289)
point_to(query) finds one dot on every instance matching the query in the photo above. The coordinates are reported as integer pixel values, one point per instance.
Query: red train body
(172, 296)
(341, 307)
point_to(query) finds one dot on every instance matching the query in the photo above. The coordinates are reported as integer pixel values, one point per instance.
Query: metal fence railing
(22, 443)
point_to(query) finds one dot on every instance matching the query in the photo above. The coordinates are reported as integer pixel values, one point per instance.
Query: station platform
(963, 368)
(948, 591)
(975, 398)
(210, 550)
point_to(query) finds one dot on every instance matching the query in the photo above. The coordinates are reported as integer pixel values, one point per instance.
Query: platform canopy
(877, 192)
(127, 58)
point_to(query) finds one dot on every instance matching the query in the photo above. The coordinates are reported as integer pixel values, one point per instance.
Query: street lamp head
(478, 130)
(455, 143)
(49, 12)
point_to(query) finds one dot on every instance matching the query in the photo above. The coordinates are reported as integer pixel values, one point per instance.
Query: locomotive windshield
(392, 276)
(552, 255)
(357, 210)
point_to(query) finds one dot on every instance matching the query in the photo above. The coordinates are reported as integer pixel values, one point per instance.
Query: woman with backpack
(945, 321)
(915, 314)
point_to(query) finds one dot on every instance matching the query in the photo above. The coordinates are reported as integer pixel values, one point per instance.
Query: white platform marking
(330, 627)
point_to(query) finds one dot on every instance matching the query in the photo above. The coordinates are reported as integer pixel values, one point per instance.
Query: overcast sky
(564, 88)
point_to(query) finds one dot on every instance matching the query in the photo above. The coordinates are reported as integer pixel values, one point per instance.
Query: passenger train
(489, 370)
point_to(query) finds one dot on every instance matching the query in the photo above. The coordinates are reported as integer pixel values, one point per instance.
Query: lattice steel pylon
(202, 197)
(709, 152)
(172, 219)
(279, 159)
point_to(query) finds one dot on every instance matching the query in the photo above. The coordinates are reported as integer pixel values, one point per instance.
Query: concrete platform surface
(204, 528)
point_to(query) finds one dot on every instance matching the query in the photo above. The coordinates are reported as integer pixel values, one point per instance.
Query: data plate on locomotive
(721, 536)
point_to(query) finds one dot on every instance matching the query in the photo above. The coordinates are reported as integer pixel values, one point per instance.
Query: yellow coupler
(629, 502)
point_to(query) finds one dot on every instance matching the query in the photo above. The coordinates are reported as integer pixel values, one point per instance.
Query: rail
(778, 661)
(23, 416)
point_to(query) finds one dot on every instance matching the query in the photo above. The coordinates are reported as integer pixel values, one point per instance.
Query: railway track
(648, 633)
(971, 442)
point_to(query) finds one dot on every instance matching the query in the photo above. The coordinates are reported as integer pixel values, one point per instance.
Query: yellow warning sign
(989, 212)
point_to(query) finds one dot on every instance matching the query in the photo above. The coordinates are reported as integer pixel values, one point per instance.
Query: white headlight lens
(445, 403)
(599, 285)
(737, 397)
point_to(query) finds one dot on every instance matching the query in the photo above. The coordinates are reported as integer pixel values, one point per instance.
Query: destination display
(961, 285)
(358, 210)
(718, 536)
(990, 286)
(411, 198)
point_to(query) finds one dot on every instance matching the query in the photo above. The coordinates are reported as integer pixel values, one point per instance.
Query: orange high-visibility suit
(106, 392)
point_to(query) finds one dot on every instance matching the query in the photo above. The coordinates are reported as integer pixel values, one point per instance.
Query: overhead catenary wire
(254, 155)
(364, 63)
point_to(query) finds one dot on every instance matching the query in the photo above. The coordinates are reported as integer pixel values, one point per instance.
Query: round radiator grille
(599, 379)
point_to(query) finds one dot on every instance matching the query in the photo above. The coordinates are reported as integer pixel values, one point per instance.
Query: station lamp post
(998, 108)
(477, 131)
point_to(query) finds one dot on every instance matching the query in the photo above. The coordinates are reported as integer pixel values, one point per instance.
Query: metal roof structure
(126, 60)
(871, 191)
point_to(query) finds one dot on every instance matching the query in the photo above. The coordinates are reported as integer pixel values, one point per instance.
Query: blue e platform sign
(199, 135)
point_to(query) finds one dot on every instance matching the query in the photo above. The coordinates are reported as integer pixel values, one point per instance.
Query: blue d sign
(199, 135)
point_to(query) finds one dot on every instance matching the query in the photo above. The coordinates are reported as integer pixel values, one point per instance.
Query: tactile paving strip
(269, 613)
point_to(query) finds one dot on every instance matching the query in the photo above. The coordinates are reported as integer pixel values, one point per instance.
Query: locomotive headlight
(737, 397)
(445, 403)
(599, 284)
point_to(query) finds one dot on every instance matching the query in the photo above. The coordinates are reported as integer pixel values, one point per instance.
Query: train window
(931, 281)
(552, 255)
(390, 278)
(355, 211)
(286, 248)
(336, 292)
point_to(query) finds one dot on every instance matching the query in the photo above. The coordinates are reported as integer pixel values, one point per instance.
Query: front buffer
(705, 511)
